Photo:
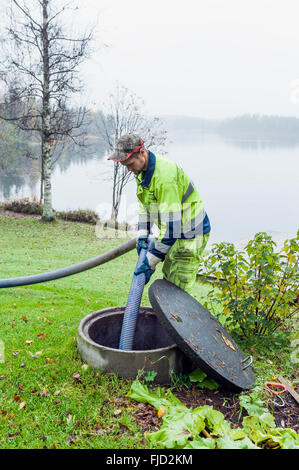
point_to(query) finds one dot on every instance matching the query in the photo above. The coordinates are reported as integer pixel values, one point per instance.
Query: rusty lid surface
(200, 336)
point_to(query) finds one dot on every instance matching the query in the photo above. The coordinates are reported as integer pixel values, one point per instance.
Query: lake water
(247, 186)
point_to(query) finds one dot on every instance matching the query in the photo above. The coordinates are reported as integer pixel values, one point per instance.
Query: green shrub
(86, 216)
(23, 206)
(259, 292)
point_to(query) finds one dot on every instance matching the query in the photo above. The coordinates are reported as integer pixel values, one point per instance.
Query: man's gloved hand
(145, 268)
(148, 266)
(142, 242)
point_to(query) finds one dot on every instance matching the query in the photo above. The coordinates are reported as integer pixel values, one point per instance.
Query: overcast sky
(209, 58)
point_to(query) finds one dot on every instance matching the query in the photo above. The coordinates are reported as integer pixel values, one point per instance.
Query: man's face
(136, 163)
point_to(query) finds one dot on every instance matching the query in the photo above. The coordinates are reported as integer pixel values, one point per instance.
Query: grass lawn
(42, 403)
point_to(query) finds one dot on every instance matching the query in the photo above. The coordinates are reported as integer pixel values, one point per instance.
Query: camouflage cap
(125, 145)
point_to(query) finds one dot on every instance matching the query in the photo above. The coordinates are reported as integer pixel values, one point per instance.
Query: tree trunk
(41, 198)
(114, 210)
(47, 206)
(46, 121)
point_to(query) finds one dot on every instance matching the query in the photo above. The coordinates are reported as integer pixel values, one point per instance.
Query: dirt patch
(221, 400)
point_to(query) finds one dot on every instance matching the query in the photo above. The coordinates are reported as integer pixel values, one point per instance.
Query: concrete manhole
(153, 349)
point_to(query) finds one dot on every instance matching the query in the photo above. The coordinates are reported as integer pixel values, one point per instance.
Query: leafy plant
(150, 376)
(202, 381)
(259, 287)
(252, 403)
(179, 380)
(204, 427)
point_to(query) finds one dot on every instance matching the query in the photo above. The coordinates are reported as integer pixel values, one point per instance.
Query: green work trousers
(182, 261)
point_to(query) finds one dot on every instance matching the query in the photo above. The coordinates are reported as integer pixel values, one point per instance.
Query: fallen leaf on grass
(3, 412)
(35, 355)
(12, 436)
(69, 419)
(29, 341)
(41, 335)
(57, 393)
(76, 375)
(16, 397)
(22, 405)
(117, 412)
(24, 318)
(44, 392)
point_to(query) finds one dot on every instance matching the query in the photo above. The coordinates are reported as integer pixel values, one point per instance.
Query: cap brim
(116, 157)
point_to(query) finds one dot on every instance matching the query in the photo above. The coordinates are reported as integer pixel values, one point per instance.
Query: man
(168, 198)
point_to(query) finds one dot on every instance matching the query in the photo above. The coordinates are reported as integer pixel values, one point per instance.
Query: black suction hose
(75, 268)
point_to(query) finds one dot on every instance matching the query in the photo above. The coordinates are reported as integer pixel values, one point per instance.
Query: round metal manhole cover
(200, 336)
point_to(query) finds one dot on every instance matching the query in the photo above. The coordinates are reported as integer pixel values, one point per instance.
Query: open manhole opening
(149, 333)
(153, 348)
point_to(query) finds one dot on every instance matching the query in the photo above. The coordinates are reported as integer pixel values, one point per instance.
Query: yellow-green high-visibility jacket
(168, 198)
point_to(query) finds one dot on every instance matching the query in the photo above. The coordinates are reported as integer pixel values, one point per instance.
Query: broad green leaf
(286, 438)
(201, 443)
(210, 384)
(214, 419)
(258, 428)
(202, 381)
(177, 428)
(267, 419)
(253, 405)
(197, 375)
(227, 442)
(158, 399)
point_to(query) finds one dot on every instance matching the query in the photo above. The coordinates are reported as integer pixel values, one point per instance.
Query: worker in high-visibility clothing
(168, 198)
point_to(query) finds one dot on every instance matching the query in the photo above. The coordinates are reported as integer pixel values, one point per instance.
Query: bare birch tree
(125, 113)
(41, 68)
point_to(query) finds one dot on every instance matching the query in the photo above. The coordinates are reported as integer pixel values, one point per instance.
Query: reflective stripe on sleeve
(189, 191)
